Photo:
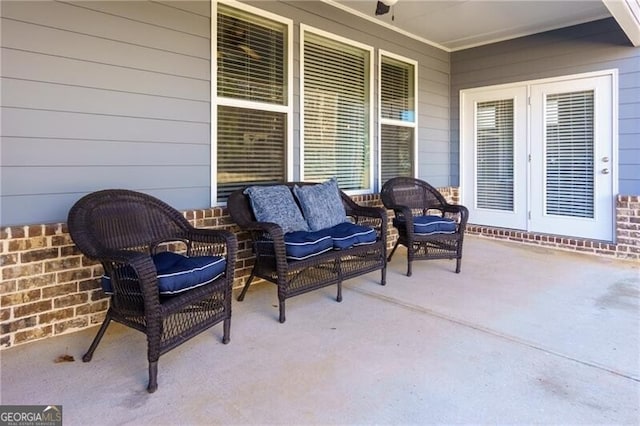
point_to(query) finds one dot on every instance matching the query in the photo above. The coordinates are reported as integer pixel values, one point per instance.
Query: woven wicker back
(121, 219)
(413, 193)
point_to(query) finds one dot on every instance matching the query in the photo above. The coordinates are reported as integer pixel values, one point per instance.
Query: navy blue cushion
(302, 245)
(178, 273)
(276, 204)
(347, 234)
(429, 225)
(321, 204)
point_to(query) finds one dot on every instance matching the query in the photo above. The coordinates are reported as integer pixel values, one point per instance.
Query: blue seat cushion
(302, 245)
(178, 273)
(347, 234)
(429, 225)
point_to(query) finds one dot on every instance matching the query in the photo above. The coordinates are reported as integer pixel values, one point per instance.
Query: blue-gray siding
(582, 48)
(116, 94)
(103, 94)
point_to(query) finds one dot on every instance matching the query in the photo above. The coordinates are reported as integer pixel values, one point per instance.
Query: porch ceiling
(460, 24)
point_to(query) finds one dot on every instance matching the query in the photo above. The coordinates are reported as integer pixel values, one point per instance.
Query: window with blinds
(336, 112)
(569, 154)
(397, 118)
(495, 155)
(251, 93)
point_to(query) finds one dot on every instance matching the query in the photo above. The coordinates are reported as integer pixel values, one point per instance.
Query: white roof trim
(627, 14)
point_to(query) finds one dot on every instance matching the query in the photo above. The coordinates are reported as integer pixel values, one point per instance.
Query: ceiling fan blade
(381, 8)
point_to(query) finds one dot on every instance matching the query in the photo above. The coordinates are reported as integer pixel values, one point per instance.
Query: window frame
(304, 29)
(401, 123)
(240, 103)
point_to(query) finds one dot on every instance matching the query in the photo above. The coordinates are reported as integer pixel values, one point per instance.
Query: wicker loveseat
(302, 261)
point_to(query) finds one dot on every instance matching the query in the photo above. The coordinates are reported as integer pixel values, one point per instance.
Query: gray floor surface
(522, 335)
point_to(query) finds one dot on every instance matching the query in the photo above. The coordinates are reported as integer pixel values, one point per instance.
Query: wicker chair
(128, 232)
(415, 204)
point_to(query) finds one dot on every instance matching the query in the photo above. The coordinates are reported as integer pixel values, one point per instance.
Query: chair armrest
(375, 217)
(460, 210)
(144, 268)
(218, 240)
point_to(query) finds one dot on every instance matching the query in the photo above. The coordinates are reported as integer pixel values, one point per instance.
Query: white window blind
(397, 89)
(251, 59)
(336, 112)
(570, 154)
(253, 149)
(251, 90)
(397, 117)
(494, 167)
(397, 151)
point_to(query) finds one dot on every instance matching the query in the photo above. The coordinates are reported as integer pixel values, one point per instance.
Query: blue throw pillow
(276, 204)
(321, 204)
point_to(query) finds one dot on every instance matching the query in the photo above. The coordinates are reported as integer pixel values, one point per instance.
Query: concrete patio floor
(521, 335)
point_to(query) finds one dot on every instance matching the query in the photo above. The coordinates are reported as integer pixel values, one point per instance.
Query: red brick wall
(48, 288)
(627, 244)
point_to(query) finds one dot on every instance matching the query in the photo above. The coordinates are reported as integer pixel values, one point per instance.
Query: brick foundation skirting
(48, 288)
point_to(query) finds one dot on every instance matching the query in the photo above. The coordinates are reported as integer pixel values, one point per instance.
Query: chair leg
(393, 250)
(409, 268)
(96, 340)
(339, 295)
(282, 317)
(227, 330)
(383, 280)
(246, 287)
(153, 377)
(458, 264)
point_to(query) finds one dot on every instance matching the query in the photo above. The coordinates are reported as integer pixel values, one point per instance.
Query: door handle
(605, 171)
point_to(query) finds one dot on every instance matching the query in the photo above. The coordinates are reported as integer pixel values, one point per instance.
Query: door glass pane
(569, 154)
(494, 144)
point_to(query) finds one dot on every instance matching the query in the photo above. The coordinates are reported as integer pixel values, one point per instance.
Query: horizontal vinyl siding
(103, 95)
(433, 76)
(583, 48)
(99, 94)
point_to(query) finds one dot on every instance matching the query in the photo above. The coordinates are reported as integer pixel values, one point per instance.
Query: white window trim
(381, 121)
(303, 30)
(215, 100)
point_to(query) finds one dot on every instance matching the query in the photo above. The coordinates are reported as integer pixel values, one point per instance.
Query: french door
(539, 156)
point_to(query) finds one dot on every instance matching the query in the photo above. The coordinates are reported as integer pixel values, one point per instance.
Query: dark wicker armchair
(169, 296)
(427, 224)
